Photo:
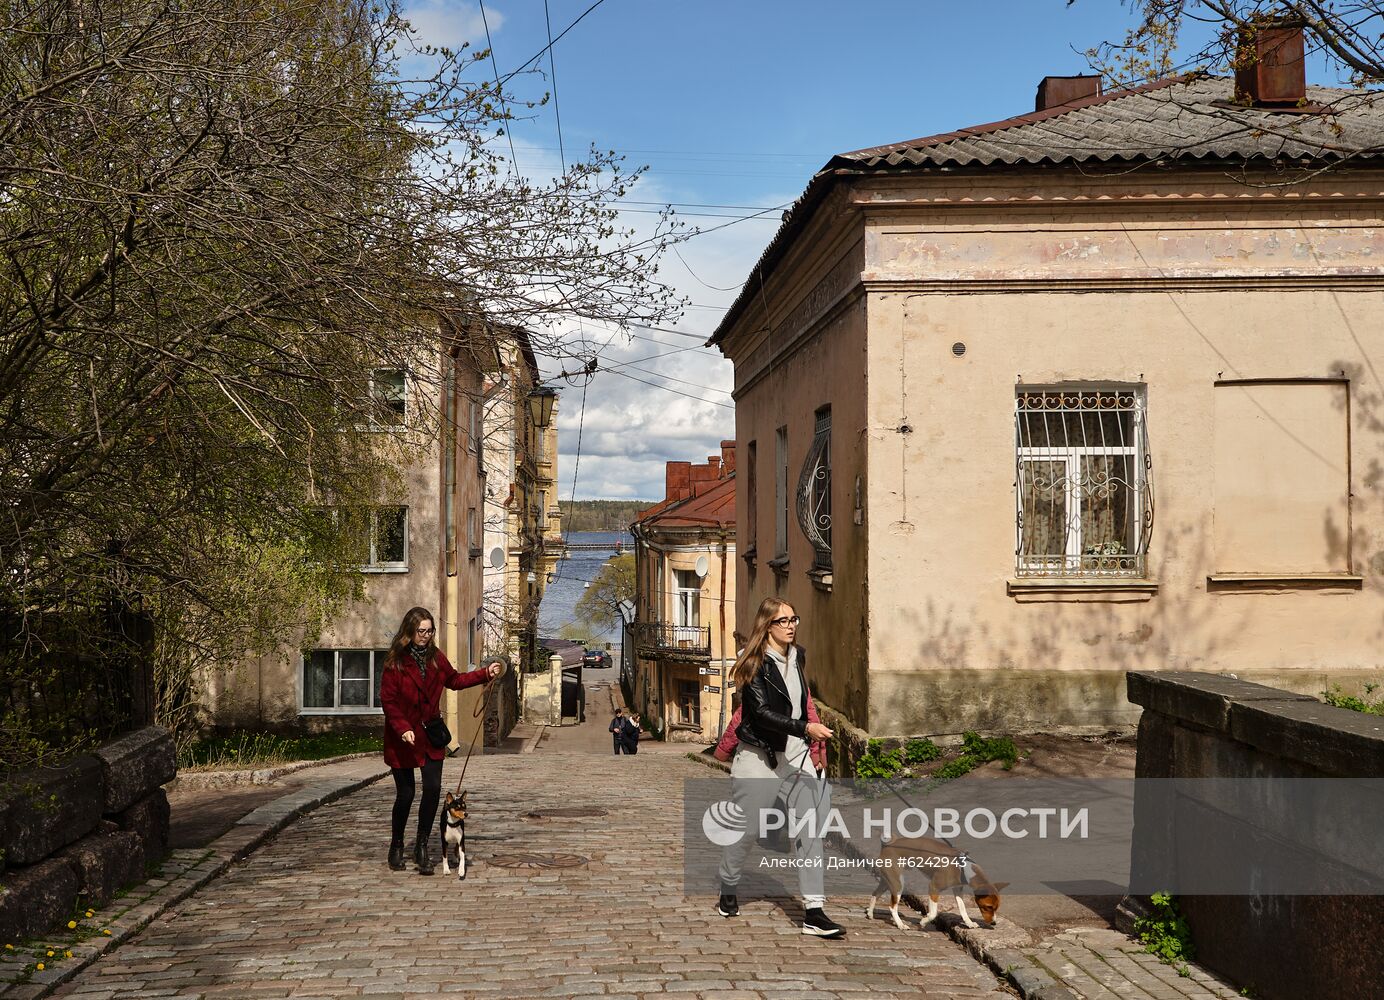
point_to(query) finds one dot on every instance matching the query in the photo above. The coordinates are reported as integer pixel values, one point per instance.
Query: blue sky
(737, 104)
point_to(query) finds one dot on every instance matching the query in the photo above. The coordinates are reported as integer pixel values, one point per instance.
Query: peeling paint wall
(1176, 298)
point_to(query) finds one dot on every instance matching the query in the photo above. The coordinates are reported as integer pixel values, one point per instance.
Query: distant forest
(601, 515)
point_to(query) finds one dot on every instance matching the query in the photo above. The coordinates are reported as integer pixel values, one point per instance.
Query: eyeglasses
(424, 631)
(786, 621)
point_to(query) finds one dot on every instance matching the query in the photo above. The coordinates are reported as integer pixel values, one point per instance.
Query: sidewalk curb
(251, 832)
(198, 780)
(709, 761)
(1009, 963)
(1031, 980)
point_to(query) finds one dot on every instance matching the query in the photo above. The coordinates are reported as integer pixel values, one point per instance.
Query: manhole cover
(565, 812)
(538, 861)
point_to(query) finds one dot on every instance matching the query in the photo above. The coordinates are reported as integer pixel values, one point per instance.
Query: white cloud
(450, 23)
(631, 430)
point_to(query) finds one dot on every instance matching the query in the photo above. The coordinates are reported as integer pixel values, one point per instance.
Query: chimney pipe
(1270, 64)
(1056, 91)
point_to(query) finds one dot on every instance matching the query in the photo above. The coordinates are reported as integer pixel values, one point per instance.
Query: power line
(539, 54)
(676, 392)
(714, 288)
(618, 370)
(557, 109)
(499, 92)
(696, 215)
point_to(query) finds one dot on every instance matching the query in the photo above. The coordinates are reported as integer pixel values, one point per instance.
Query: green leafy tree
(217, 220)
(599, 604)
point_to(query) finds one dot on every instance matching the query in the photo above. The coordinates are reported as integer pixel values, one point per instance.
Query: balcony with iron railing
(661, 639)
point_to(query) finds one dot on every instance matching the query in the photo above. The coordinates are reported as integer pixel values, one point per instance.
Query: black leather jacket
(766, 714)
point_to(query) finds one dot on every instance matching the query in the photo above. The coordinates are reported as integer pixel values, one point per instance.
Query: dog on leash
(948, 870)
(453, 831)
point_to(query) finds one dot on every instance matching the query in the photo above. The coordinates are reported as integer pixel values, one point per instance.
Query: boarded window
(1282, 486)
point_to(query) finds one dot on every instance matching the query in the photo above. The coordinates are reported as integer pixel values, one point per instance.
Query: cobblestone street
(318, 914)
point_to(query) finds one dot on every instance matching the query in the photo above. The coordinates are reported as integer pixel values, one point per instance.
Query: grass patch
(1337, 697)
(908, 761)
(255, 750)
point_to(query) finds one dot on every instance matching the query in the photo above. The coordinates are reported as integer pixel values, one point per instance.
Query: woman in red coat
(415, 672)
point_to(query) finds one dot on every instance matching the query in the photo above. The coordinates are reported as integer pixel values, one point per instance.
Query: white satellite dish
(702, 566)
(497, 558)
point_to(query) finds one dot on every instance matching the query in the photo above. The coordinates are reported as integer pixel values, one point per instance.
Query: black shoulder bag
(437, 732)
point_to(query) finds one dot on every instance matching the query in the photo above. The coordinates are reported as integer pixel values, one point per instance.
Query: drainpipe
(721, 725)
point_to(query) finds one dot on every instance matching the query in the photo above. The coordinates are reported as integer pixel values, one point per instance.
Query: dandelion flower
(90, 913)
(9, 947)
(50, 952)
(68, 953)
(72, 925)
(40, 966)
(106, 931)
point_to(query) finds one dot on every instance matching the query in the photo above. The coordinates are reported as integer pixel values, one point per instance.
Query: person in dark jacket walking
(630, 734)
(772, 759)
(617, 731)
(415, 672)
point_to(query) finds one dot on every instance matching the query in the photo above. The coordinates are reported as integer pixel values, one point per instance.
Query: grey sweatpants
(754, 788)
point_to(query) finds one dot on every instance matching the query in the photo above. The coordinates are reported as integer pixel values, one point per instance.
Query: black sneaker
(818, 924)
(727, 905)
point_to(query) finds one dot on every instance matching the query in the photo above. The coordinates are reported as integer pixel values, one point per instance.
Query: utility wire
(499, 92)
(676, 392)
(557, 109)
(714, 288)
(539, 54)
(619, 370)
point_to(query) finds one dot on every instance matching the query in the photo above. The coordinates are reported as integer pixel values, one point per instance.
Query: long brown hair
(394, 659)
(751, 658)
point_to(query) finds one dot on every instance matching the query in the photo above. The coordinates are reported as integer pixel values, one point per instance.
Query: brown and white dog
(947, 869)
(453, 832)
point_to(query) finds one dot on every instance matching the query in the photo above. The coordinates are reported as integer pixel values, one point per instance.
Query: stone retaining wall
(74, 835)
(1197, 726)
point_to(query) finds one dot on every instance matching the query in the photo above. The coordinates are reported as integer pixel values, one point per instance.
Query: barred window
(814, 492)
(1084, 489)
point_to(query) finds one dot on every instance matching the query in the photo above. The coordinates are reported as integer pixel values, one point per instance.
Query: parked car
(596, 659)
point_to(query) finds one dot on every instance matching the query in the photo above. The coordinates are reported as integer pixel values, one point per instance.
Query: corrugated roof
(1185, 119)
(1193, 118)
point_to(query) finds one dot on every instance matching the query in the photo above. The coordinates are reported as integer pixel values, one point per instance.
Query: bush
(878, 765)
(920, 751)
(1165, 932)
(1337, 697)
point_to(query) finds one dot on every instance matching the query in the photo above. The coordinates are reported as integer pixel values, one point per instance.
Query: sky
(737, 104)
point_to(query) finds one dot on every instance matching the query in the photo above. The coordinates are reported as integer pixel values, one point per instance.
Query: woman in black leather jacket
(772, 759)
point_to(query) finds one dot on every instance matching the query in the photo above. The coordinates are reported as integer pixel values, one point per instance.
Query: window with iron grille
(1084, 490)
(814, 492)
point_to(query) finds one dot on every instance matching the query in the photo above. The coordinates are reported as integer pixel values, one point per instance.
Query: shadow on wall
(1051, 661)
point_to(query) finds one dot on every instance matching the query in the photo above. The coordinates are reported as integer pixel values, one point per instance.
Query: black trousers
(403, 799)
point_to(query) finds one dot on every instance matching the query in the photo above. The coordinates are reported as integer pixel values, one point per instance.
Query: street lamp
(541, 401)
